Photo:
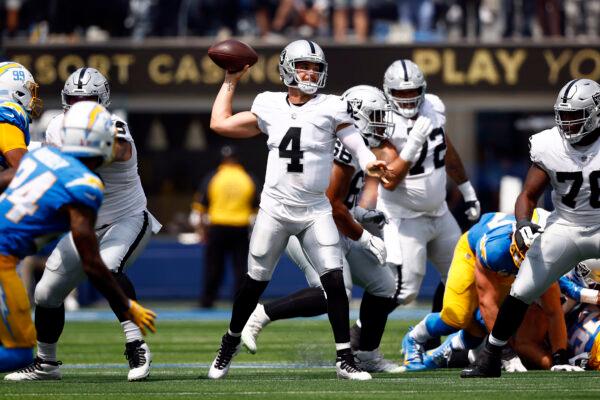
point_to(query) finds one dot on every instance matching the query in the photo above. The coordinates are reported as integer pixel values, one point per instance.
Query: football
(232, 55)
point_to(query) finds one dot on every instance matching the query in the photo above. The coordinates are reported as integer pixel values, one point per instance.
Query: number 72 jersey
(574, 175)
(30, 208)
(301, 141)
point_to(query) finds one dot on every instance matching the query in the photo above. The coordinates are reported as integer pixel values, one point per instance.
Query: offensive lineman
(362, 251)
(302, 127)
(415, 197)
(54, 191)
(566, 157)
(123, 228)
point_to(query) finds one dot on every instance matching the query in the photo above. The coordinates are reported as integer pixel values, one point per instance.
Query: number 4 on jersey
(290, 148)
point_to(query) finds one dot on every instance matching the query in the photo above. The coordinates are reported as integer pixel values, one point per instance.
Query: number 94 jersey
(423, 191)
(46, 180)
(574, 175)
(301, 141)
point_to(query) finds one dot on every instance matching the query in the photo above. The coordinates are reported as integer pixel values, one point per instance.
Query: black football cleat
(488, 365)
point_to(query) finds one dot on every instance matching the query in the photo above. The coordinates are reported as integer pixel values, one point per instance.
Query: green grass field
(294, 362)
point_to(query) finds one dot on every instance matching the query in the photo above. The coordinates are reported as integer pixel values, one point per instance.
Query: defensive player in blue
(53, 191)
(19, 102)
(485, 248)
(581, 286)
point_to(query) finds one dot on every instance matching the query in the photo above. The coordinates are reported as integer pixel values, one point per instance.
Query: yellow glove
(142, 317)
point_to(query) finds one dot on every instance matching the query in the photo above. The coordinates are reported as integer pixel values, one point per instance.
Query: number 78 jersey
(301, 141)
(30, 208)
(574, 175)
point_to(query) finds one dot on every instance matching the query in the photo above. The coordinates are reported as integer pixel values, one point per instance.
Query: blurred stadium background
(497, 65)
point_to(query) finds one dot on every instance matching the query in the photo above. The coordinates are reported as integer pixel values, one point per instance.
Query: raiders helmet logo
(596, 98)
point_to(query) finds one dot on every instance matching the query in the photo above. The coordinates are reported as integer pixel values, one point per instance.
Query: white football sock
(420, 333)
(47, 351)
(132, 332)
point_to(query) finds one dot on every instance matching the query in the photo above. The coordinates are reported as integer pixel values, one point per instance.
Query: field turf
(294, 362)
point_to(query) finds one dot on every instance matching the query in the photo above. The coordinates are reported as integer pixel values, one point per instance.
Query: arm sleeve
(11, 138)
(354, 142)
(570, 288)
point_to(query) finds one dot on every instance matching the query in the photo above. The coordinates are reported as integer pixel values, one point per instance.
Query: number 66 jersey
(574, 175)
(301, 141)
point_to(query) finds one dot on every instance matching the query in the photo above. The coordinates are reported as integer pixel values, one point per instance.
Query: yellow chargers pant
(460, 296)
(16, 327)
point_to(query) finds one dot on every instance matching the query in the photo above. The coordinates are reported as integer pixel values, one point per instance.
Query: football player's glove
(473, 207)
(417, 136)
(370, 216)
(525, 233)
(560, 362)
(142, 317)
(374, 245)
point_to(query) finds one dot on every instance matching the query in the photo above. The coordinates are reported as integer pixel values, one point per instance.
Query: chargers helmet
(302, 50)
(17, 84)
(404, 75)
(87, 131)
(577, 109)
(85, 84)
(371, 113)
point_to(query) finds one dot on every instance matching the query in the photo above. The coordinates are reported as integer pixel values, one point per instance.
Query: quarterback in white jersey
(421, 226)
(302, 127)
(566, 157)
(123, 226)
(364, 254)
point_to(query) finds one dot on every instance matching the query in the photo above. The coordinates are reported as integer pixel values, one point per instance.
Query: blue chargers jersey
(490, 240)
(45, 181)
(582, 331)
(14, 114)
(571, 284)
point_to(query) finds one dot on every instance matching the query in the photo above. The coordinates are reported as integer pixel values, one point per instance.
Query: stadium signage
(187, 71)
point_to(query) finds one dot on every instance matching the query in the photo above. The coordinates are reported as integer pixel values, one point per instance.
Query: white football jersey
(574, 176)
(344, 157)
(301, 141)
(423, 191)
(123, 195)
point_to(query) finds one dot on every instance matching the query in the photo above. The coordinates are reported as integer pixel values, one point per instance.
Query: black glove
(525, 232)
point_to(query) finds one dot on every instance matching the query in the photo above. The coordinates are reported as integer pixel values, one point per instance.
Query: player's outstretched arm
(534, 186)
(82, 220)
(488, 294)
(557, 328)
(354, 142)
(222, 119)
(456, 170)
(397, 166)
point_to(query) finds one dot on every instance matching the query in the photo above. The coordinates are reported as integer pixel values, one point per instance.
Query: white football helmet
(85, 84)
(87, 131)
(17, 84)
(302, 50)
(589, 272)
(371, 112)
(577, 109)
(404, 75)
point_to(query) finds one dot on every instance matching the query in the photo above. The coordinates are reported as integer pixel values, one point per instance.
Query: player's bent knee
(44, 297)
(456, 318)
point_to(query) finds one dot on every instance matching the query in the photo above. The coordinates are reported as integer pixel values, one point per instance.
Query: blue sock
(436, 326)
(13, 359)
(469, 340)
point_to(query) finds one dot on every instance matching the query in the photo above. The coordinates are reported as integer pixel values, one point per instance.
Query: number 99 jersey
(423, 191)
(574, 175)
(301, 143)
(30, 208)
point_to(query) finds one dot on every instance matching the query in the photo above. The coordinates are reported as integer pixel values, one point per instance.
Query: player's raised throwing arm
(222, 120)
(82, 227)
